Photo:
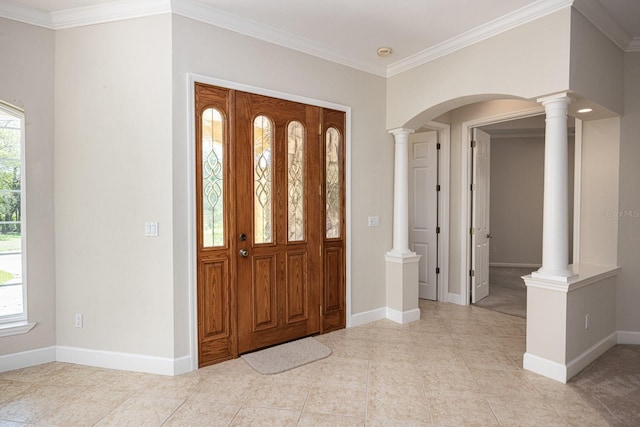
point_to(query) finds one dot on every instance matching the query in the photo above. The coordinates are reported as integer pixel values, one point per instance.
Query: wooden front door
(269, 256)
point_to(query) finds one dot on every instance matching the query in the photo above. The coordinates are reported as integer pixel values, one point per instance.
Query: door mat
(286, 356)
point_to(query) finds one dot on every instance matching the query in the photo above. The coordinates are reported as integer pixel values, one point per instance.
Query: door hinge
(438, 187)
(320, 129)
(472, 231)
(321, 311)
(438, 146)
(437, 230)
(320, 190)
(437, 270)
(472, 273)
(320, 250)
(472, 187)
(473, 144)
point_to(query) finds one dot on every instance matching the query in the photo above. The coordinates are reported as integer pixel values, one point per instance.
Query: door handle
(489, 236)
(244, 252)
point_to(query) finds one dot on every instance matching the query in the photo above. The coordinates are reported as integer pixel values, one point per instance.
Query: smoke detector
(383, 52)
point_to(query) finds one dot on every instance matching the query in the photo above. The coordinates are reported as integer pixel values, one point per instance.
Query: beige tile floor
(457, 366)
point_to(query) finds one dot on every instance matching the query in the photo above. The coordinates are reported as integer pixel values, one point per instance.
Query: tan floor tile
(461, 409)
(401, 403)
(178, 387)
(310, 419)
(195, 414)
(488, 359)
(33, 374)
(278, 393)
(525, 412)
(224, 388)
(9, 389)
(579, 414)
(389, 324)
(389, 373)
(391, 336)
(425, 339)
(353, 349)
(504, 384)
(141, 411)
(396, 423)
(265, 417)
(337, 398)
(336, 368)
(448, 380)
(85, 409)
(399, 352)
(36, 402)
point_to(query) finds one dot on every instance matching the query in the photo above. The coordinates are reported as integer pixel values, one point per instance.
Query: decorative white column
(402, 263)
(401, 193)
(555, 231)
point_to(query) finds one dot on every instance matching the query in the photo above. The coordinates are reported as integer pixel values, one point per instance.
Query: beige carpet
(287, 356)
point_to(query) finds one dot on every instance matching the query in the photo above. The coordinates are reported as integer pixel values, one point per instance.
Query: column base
(563, 276)
(402, 286)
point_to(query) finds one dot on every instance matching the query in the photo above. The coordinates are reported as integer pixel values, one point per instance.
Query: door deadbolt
(243, 237)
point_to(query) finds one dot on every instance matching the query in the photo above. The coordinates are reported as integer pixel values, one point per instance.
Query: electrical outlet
(587, 319)
(78, 320)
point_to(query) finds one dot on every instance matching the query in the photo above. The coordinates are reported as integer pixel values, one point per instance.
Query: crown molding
(598, 16)
(634, 45)
(108, 12)
(211, 15)
(25, 14)
(511, 20)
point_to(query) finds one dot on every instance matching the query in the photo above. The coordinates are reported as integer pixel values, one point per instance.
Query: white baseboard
(545, 367)
(121, 361)
(582, 361)
(182, 365)
(24, 359)
(455, 299)
(403, 317)
(628, 337)
(514, 265)
(365, 317)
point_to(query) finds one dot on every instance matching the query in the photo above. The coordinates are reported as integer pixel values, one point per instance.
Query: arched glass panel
(332, 176)
(263, 179)
(295, 166)
(212, 178)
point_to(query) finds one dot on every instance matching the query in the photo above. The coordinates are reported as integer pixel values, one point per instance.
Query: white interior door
(480, 233)
(423, 209)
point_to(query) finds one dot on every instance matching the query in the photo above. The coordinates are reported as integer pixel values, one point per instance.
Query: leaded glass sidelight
(295, 167)
(212, 178)
(332, 176)
(263, 179)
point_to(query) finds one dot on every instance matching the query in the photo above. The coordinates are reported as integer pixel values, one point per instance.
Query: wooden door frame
(192, 79)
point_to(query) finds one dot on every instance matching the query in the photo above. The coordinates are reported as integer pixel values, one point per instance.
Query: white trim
(117, 360)
(403, 317)
(365, 317)
(25, 14)
(555, 371)
(191, 226)
(465, 197)
(591, 274)
(634, 46)
(108, 12)
(628, 337)
(15, 328)
(513, 265)
(455, 299)
(579, 363)
(497, 26)
(25, 359)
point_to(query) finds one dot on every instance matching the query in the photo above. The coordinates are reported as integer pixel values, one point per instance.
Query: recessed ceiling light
(585, 110)
(384, 51)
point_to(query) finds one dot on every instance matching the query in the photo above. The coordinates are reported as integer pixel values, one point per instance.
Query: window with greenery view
(12, 289)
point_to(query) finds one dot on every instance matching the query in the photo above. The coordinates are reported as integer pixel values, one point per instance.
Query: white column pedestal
(402, 287)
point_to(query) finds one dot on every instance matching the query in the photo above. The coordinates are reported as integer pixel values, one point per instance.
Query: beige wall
(599, 195)
(629, 201)
(217, 53)
(528, 61)
(113, 173)
(27, 54)
(597, 66)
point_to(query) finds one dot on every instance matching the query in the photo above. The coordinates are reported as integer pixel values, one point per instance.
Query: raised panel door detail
(296, 291)
(215, 291)
(264, 307)
(333, 280)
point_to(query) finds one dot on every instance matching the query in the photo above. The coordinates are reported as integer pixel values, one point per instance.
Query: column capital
(562, 97)
(401, 131)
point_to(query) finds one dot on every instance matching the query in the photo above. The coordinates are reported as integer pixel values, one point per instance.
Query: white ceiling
(350, 31)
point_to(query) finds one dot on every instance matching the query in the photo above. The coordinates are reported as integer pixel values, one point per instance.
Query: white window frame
(17, 323)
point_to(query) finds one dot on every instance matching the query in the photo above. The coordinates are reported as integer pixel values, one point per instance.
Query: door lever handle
(489, 236)
(244, 252)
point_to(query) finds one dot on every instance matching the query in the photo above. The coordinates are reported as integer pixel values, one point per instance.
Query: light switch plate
(373, 221)
(151, 229)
